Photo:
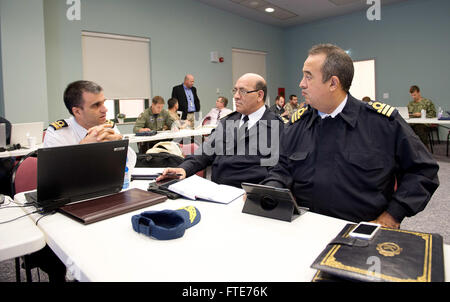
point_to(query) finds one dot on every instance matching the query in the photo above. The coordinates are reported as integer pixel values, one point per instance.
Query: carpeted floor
(435, 218)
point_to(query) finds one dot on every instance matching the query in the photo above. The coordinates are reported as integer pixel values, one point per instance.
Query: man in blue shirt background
(188, 101)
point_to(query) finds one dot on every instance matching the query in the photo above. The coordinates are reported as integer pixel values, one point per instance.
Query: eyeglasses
(242, 91)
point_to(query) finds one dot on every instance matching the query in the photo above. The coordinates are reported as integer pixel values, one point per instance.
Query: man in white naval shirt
(86, 103)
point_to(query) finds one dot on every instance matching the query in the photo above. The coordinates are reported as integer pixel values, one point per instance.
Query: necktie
(244, 126)
(218, 116)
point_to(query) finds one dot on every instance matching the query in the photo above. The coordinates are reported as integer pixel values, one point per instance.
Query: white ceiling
(295, 11)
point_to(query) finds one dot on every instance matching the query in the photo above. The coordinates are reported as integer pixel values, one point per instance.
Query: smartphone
(365, 230)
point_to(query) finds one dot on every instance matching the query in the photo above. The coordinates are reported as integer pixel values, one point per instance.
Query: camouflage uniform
(291, 109)
(147, 119)
(422, 129)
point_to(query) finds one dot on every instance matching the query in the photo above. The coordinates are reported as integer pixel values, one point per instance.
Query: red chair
(24, 178)
(189, 149)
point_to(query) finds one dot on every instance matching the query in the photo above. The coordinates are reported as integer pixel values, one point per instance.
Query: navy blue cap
(166, 224)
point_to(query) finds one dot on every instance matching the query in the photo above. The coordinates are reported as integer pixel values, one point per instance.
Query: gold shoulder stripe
(298, 114)
(59, 124)
(381, 108)
(110, 122)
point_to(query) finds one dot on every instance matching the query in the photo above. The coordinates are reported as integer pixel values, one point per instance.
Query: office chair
(24, 178)
(434, 128)
(448, 138)
(189, 149)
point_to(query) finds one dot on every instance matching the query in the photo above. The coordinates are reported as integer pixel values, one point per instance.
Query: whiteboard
(364, 79)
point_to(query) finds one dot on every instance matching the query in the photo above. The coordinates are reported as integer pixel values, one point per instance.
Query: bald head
(250, 93)
(258, 82)
(189, 81)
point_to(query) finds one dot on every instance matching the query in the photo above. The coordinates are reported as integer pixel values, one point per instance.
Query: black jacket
(346, 166)
(236, 156)
(180, 95)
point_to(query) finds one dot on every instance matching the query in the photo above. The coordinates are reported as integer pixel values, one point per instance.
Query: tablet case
(392, 255)
(101, 208)
(270, 202)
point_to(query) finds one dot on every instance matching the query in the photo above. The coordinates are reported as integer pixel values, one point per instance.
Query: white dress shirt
(73, 134)
(254, 117)
(336, 111)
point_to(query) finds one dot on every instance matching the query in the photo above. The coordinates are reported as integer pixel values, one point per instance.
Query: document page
(196, 187)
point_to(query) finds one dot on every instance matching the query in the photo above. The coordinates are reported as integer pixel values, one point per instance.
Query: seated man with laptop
(86, 103)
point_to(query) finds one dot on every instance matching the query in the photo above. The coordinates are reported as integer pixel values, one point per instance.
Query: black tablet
(271, 202)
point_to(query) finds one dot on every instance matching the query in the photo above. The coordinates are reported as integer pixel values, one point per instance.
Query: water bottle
(440, 112)
(126, 179)
(423, 113)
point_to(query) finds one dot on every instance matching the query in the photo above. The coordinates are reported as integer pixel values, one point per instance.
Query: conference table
(433, 120)
(20, 152)
(225, 246)
(161, 135)
(164, 135)
(19, 236)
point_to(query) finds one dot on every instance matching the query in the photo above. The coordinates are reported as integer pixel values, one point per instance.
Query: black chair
(448, 137)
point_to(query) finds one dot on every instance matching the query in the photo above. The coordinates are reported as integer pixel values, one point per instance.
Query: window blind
(120, 64)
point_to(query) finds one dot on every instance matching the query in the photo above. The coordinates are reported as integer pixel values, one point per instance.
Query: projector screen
(364, 79)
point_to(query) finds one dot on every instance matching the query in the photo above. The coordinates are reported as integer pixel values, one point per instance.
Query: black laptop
(78, 172)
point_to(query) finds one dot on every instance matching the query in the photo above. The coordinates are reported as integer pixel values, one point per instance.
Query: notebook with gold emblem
(392, 255)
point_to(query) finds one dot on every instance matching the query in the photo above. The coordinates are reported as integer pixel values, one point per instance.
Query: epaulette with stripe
(110, 122)
(59, 124)
(298, 114)
(382, 108)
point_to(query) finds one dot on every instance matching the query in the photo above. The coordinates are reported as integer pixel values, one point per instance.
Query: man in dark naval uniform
(342, 157)
(244, 146)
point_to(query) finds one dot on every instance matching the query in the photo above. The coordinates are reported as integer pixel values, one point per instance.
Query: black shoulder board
(382, 108)
(298, 114)
(59, 124)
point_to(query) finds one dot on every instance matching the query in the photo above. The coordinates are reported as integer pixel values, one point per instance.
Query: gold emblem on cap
(389, 249)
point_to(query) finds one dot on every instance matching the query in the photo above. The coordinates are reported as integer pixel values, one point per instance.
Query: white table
(20, 152)
(433, 120)
(162, 135)
(226, 246)
(19, 237)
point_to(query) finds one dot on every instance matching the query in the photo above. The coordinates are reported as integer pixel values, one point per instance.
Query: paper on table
(196, 187)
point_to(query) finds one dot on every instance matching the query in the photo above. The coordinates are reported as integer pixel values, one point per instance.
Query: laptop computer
(403, 112)
(21, 132)
(78, 172)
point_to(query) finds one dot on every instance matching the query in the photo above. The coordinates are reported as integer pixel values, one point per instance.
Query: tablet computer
(271, 202)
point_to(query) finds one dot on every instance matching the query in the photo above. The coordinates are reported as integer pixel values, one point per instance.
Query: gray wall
(182, 34)
(410, 43)
(41, 49)
(2, 103)
(23, 60)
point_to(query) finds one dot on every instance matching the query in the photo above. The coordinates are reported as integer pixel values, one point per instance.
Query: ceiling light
(254, 3)
(269, 10)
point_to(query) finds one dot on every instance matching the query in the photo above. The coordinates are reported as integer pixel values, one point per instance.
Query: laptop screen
(21, 132)
(77, 172)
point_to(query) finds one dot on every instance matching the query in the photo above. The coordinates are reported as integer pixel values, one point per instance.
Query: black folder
(392, 255)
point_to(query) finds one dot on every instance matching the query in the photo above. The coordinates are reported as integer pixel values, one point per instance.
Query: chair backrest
(24, 177)
(188, 149)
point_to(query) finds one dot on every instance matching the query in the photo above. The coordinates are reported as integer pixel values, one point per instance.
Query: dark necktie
(244, 126)
(218, 116)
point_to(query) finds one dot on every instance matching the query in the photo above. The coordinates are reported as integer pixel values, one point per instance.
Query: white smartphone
(365, 230)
